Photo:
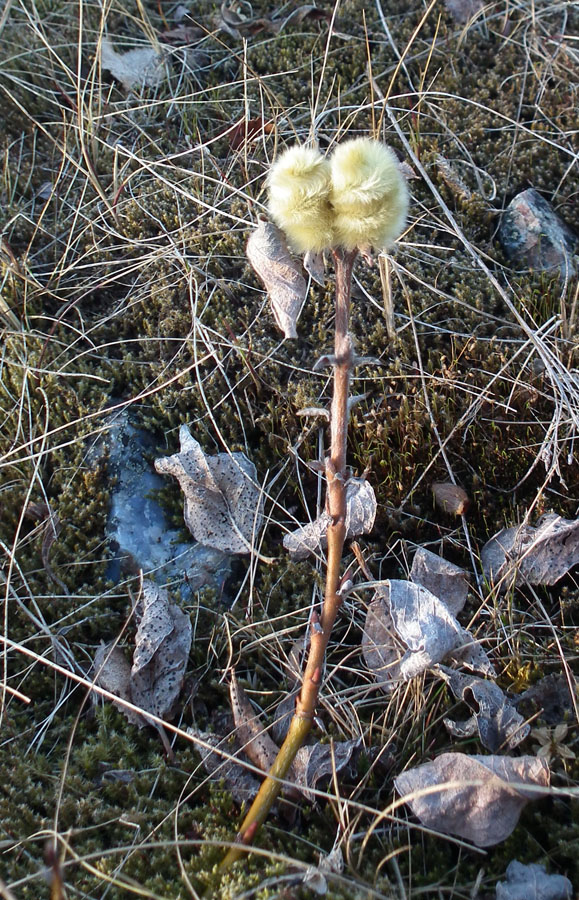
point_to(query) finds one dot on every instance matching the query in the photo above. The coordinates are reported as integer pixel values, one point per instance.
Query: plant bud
(369, 194)
(299, 198)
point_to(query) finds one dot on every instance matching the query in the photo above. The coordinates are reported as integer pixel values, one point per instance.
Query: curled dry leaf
(314, 266)
(243, 785)
(451, 498)
(480, 797)
(254, 740)
(113, 673)
(162, 646)
(494, 716)
(360, 515)
(446, 581)
(223, 505)
(137, 68)
(317, 762)
(312, 764)
(248, 130)
(268, 253)
(532, 883)
(408, 630)
(527, 555)
(553, 696)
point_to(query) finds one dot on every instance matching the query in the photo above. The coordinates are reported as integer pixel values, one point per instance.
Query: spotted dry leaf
(480, 797)
(408, 630)
(360, 515)
(140, 67)
(494, 717)
(223, 505)
(113, 673)
(162, 646)
(254, 740)
(527, 555)
(446, 581)
(282, 275)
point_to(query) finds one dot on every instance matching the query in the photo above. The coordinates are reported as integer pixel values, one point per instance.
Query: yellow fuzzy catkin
(369, 194)
(299, 198)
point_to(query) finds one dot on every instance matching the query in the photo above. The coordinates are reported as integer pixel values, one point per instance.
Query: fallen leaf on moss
(451, 498)
(317, 762)
(446, 581)
(223, 505)
(408, 630)
(254, 740)
(532, 883)
(113, 673)
(480, 798)
(162, 646)
(494, 717)
(247, 130)
(141, 67)
(527, 555)
(360, 514)
(268, 253)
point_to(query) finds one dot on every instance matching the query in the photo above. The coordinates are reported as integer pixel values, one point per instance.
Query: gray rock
(534, 236)
(137, 528)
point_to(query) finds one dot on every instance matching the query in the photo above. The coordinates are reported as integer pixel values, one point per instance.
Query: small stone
(534, 236)
(451, 498)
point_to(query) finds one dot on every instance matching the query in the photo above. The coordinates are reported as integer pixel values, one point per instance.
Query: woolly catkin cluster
(299, 198)
(358, 198)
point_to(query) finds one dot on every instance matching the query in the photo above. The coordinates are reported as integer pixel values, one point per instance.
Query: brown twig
(321, 628)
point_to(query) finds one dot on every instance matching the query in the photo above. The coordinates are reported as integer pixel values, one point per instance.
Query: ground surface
(125, 213)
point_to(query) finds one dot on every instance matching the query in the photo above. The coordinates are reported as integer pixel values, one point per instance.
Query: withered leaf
(451, 498)
(314, 266)
(360, 514)
(317, 762)
(494, 716)
(268, 253)
(162, 646)
(484, 807)
(242, 784)
(552, 696)
(425, 629)
(533, 883)
(247, 130)
(527, 555)
(136, 68)
(223, 505)
(113, 673)
(446, 581)
(182, 35)
(255, 742)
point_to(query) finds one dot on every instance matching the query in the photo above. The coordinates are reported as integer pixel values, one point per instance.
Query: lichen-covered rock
(534, 236)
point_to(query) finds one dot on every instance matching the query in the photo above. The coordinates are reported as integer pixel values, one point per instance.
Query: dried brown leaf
(527, 555)
(253, 738)
(494, 716)
(162, 646)
(531, 882)
(268, 253)
(248, 130)
(242, 784)
(223, 505)
(360, 515)
(480, 797)
(113, 673)
(451, 498)
(314, 266)
(446, 581)
(317, 762)
(136, 68)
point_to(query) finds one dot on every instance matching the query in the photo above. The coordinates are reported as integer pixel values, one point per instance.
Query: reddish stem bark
(336, 476)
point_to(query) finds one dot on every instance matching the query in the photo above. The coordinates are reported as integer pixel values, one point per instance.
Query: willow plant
(353, 201)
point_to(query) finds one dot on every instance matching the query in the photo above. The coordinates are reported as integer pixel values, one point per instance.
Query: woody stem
(321, 627)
